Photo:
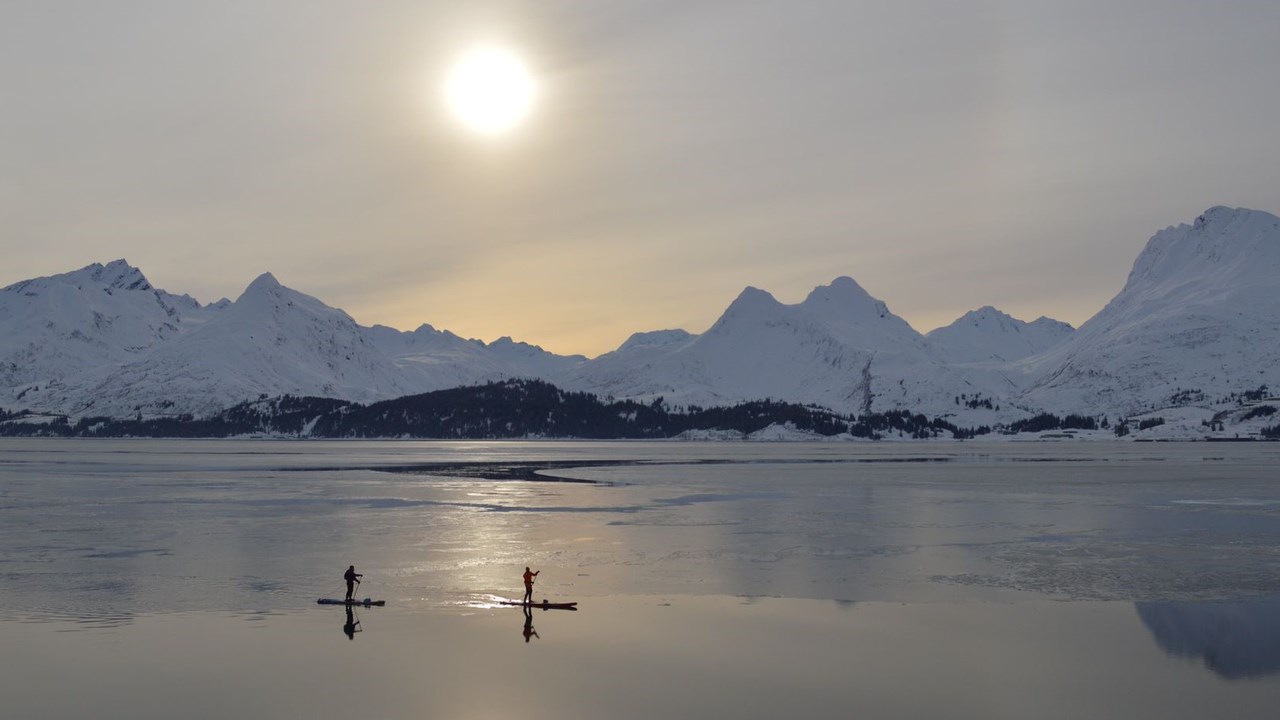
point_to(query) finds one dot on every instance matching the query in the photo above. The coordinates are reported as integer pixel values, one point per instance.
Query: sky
(945, 155)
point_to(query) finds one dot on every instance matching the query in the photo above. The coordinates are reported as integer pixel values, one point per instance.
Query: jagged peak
(114, 275)
(120, 275)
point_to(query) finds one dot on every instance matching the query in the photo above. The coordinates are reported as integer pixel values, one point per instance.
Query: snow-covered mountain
(102, 341)
(987, 335)
(100, 316)
(431, 359)
(271, 340)
(1198, 319)
(840, 348)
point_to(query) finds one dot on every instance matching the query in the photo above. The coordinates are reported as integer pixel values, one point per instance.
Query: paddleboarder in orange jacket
(528, 584)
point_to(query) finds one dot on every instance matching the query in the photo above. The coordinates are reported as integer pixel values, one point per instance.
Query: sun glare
(489, 90)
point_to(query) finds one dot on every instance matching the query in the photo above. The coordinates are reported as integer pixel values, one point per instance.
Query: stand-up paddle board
(365, 602)
(544, 605)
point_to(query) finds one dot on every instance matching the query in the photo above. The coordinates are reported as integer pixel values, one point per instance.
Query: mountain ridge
(1198, 318)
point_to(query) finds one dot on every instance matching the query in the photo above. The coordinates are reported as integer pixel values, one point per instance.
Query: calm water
(157, 579)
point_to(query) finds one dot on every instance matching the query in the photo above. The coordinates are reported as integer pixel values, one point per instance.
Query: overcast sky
(944, 154)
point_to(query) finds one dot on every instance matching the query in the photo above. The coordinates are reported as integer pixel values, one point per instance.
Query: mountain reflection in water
(1236, 640)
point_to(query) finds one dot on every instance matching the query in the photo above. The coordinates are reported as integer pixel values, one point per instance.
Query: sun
(489, 90)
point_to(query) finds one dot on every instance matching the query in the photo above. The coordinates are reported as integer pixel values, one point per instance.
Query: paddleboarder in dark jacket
(528, 584)
(352, 577)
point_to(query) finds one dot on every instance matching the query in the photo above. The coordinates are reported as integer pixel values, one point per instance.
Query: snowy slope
(1198, 318)
(988, 335)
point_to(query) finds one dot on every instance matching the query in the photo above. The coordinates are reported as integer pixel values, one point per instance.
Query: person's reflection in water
(528, 624)
(350, 627)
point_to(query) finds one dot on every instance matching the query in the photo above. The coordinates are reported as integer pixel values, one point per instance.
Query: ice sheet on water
(1230, 502)
(98, 528)
(1104, 570)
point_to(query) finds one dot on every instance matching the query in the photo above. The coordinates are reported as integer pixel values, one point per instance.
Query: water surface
(901, 580)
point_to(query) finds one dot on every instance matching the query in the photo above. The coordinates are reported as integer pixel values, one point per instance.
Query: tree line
(513, 409)
(497, 410)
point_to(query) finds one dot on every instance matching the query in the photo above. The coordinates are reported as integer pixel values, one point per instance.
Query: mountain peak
(753, 297)
(263, 287)
(988, 334)
(265, 281)
(986, 319)
(266, 294)
(844, 291)
(994, 319)
(115, 275)
(1224, 246)
(1221, 213)
(986, 312)
(1051, 325)
(844, 301)
(120, 275)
